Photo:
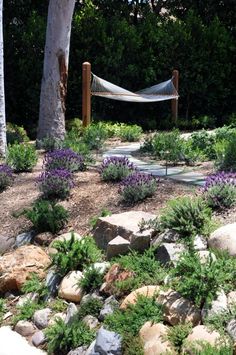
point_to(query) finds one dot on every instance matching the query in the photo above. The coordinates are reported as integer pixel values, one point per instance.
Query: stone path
(175, 173)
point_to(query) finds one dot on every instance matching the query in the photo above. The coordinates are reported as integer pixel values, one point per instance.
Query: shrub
(49, 143)
(75, 142)
(16, 134)
(178, 333)
(22, 157)
(116, 168)
(203, 142)
(6, 176)
(46, 216)
(91, 307)
(219, 321)
(34, 284)
(94, 136)
(63, 337)
(64, 159)
(75, 124)
(137, 187)
(92, 279)
(220, 190)
(226, 155)
(145, 309)
(132, 345)
(56, 183)
(74, 254)
(130, 133)
(26, 311)
(187, 216)
(204, 348)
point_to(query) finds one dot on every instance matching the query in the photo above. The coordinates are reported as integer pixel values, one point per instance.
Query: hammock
(159, 92)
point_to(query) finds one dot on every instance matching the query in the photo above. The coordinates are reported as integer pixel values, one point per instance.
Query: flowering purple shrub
(220, 190)
(6, 176)
(137, 187)
(116, 168)
(56, 183)
(64, 159)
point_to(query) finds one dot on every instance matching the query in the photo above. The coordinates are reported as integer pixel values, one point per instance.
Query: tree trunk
(3, 140)
(55, 70)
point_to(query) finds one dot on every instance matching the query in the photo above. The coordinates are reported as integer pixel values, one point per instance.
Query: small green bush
(203, 142)
(116, 168)
(47, 216)
(204, 348)
(16, 134)
(74, 254)
(130, 133)
(221, 196)
(34, 284)
(92, 279)
(49, 143)
(26, 311)
(75, 124)
(94, 136)
(132, 345)
(91, 307)
(22, 157)
(226, 154)
(177, 334)
(75, 142)
(187, 216)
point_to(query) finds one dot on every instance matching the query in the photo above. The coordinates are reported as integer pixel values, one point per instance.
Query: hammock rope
(160, 92)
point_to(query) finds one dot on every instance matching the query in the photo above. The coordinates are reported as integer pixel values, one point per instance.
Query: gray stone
(32, 296)
(6, 243)
(124, 224)
(25, 328)
(169, 253)
(224, 238)
(199, 243)
(102, 267)
(231, 329)
(78, 351)
(218, 306)
(90, 296)
(117, 246)
(41, 317)
(52, 282)
(91, 321)
(24, 238)
(168, 236)
(206, 256)
(109, 307)
(38, 338)
(70, 313)
(107, 343)
(231, 299)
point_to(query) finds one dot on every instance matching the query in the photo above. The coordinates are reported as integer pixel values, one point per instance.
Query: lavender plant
(137, 187)
(220, 190)
(56, 183)
(116, 168)
(64, 159)
(6, 176)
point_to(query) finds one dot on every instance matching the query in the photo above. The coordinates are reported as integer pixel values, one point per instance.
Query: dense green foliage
(134, 51)
(34, 284)
(92, 279)
(21, 157)
(177, 334)
(2, 308)
(46, 216)
(26, 311)
(16, 134)
(90, 307)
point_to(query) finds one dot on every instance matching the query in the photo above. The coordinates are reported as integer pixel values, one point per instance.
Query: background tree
(3, 141)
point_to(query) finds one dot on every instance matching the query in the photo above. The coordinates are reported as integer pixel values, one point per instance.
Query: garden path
(175, 173)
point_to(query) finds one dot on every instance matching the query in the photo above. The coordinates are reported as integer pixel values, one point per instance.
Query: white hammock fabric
(159, 92)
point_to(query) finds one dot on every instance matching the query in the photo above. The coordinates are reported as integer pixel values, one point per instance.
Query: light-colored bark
(55, 71)
(3, 140)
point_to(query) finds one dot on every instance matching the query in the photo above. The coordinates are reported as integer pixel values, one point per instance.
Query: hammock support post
(174, 102)
(86, 94)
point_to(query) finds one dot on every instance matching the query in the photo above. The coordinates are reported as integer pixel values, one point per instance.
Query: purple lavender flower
(138, 186)
(6, 176)
(220, 178)
(116, 168)
(56, 183)
(64, 159)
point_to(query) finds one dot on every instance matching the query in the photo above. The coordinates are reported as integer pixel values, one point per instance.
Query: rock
(231, 299)
(126, 225)
(199, 243)
(78, 351)
(9, 296)
(205, 256)
(154, 339)
(177, 309)
(52, 282)
(217, 306)
(38, 338)
(16, 266)
(69, 289)
(13, 343)
(91, 321)
(224, 238)
(115, 273)
(102, 267)
(25, 328)
(56, 316)
(107, 343)
(6, 243)
(147, 291)
(169, 253)
(71, 311)
(201, 333)
(29, 297)
(231, 329)
(41, 317)
(65, 236)
(117, 246)
(24, 238)
(109, 306)
(168, 236)
(44, 239)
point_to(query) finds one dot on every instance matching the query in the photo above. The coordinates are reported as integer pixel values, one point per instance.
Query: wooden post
(86, 94)
(174, 102)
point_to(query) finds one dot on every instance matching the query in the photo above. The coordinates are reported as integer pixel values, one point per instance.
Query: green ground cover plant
(27, 310)
(177, 334)
(129, 133)
(22, 157)
(34, 284)
(91, 307)
(92, 279)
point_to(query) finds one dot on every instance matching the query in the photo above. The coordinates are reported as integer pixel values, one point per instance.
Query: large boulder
(146, 291)
(224, 238)
(16, 266)
(154, 337)
(126, 225)
(69, 288)
(200, 334)
(107, 342)
(169, 253)
(114, 274)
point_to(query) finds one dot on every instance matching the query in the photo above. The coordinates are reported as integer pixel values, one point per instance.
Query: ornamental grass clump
(6, 176)
(64, 159)
(116, 168)
(220, 190)
(56, 183)
(137, 187)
